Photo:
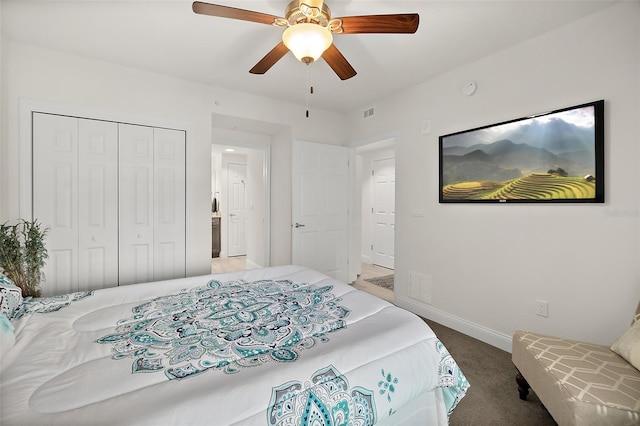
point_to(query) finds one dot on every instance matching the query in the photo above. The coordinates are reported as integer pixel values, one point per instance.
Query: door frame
(360, 147)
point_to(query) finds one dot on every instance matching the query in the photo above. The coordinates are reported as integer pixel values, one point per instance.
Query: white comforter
(187, 352)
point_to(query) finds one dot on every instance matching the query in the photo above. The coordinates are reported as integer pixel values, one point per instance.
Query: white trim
(266, 178)
(252, 265)
(482, 333)
(29, 106)
(355, 222)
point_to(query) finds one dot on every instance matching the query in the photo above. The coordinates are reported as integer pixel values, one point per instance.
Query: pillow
(5, 280)
(636, 317)
(628, 345)
(7, 338)
(10, 296)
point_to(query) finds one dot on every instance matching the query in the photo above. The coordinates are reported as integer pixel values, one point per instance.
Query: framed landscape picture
(557, 156)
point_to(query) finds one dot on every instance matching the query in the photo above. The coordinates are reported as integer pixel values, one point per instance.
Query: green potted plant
(23, 254)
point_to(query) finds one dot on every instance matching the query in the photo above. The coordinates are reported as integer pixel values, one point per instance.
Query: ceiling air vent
(368, 112)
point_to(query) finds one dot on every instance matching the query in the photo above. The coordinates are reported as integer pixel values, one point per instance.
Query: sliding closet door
(152, 204)
(98, 204)
(136, 203)
(113, 198)
(55, 197)
(75, 196)
(169, 204)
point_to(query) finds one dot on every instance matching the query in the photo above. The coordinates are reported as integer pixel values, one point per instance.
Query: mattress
(275, 346)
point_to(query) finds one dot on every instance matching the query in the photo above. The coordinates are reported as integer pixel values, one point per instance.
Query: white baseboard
(477, 331)
(252, 265)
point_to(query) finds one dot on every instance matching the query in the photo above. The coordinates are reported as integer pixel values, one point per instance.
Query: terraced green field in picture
(536, 186)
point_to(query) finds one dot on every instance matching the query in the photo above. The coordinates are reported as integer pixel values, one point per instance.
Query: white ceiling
(167, 37)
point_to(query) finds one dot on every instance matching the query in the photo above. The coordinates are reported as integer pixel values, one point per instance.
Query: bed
(275, 346)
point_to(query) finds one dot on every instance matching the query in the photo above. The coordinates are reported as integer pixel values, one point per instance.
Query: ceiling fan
(309, 31)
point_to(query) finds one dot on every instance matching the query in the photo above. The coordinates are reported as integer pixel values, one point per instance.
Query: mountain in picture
(483, 162)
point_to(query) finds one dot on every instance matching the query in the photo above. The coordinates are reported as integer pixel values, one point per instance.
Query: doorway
(240, 196)
(377, 188)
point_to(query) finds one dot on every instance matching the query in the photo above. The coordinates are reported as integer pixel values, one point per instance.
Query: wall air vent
(368, 112)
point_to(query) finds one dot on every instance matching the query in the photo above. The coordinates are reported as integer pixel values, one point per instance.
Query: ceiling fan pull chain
(310, 93)
(310, 87)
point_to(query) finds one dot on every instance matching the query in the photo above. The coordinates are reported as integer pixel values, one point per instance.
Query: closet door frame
(30, 106)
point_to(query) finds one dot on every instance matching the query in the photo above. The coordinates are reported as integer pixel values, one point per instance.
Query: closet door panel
(113, 197)
(55, 197)
(169, 204)
(136, 204)
(98, 207)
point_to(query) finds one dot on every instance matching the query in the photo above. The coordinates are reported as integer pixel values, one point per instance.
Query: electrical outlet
(542, 308)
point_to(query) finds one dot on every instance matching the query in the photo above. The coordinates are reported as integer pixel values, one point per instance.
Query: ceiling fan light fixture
(307, 41)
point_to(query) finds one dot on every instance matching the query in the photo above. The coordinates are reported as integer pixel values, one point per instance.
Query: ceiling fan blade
(338, 63)
(405, 23)
(232, 12)
(269, 59)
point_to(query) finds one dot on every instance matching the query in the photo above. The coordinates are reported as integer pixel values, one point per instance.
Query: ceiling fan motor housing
(298, 12)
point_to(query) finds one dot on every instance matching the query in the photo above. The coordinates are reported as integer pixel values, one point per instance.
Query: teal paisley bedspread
(32, 305)
(359, 359)
(226, 326)
(328, 399)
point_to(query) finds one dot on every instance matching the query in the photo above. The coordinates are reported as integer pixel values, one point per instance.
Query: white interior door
(320, 209)
(384, 212)
(238, 209)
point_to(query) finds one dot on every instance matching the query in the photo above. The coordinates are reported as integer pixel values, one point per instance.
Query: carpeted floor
(386, 281)
(492, 398)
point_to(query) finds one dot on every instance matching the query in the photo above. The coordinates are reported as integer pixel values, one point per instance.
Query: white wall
(45, 75)
(489, 263)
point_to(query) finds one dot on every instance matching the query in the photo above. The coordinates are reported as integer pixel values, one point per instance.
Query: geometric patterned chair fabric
(578, 383)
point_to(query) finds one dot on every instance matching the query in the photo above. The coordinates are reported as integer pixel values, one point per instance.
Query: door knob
(231, 214)
(299, 225)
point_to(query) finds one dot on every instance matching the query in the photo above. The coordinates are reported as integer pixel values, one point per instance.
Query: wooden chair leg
(523, 386)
